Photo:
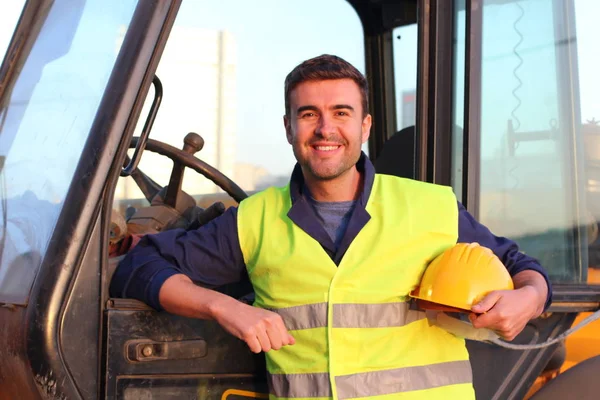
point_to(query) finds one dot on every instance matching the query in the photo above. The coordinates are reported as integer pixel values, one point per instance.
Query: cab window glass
(11, 11)
(222, 72)
(540, 137)
(458, 93)
(43, 127)
(405, 74)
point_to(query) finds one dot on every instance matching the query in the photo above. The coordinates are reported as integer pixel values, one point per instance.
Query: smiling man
(332, 257)
(334, 110)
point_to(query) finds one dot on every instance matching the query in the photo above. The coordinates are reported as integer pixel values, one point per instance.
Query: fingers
(257, 340)
(269, 333)
(280, 337)
(505, 312)
(287, 339)
(277, 332)
(486, 304)
(505, 328)
(498, 319)
(291, 339)
(487, 320)
(263, 338)
(252, 342)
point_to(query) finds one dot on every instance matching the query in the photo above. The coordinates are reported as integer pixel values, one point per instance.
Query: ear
(366, 128)
(288, 128)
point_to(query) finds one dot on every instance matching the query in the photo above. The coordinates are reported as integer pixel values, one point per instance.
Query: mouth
(326, 148)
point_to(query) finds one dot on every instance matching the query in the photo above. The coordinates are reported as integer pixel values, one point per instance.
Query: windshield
(45, 120)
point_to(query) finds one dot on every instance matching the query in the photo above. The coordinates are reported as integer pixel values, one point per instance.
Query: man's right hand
(262, 330)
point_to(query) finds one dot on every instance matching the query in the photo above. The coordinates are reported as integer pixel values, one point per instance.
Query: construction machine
(129, 117)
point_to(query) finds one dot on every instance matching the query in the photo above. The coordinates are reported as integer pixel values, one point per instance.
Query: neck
(346, 187)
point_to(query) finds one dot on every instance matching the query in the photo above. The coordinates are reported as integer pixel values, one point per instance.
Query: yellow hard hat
(461, 276)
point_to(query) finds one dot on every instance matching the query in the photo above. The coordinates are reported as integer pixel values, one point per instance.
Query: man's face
(326, 128)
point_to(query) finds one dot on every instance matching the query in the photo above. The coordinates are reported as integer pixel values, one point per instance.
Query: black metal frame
(378, 52)
(570, 117)
(568, 297)
(434, 91)
(378, 20)
(472, 129)
(380, 70)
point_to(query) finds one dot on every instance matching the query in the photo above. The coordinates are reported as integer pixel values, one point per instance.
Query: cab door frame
(72, 252)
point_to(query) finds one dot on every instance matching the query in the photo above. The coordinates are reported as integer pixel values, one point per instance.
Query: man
(332, 258)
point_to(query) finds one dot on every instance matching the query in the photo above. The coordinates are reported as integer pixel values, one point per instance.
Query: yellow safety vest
(355, 335)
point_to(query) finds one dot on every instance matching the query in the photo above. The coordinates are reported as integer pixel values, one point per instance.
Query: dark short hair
(326, 67)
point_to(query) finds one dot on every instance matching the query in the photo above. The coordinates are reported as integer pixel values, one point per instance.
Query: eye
(309, 114)
(342, 113)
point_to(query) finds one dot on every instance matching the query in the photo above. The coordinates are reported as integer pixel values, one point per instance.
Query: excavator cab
(154, 114)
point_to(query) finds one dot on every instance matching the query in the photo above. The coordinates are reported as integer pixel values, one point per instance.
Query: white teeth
(326, 148)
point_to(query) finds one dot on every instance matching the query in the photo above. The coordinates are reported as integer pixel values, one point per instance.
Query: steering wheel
(182, 158)
(170, 207)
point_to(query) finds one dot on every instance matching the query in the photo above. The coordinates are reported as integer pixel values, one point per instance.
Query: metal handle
(148, 350)
(141, 144)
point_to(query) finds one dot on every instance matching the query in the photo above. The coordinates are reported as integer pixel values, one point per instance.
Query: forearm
(260, 329)
(534, 281)
(214, 249)
(179, 295)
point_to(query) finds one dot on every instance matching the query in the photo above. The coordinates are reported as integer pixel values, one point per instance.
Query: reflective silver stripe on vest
(304, 317)
(376, 383)
(300, 385)
(403, 379)
(373, 315)
(349, 315)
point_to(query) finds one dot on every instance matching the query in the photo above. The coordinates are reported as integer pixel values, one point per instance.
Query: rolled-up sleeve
(469, 231)
(210, 256)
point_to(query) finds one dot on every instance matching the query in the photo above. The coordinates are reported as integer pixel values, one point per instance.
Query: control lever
(192, 143)
(146, 184)
(205, 216)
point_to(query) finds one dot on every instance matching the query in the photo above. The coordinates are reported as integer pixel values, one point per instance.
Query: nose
(326, 126)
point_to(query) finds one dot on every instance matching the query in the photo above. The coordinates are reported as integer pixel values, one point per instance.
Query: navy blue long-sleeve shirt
(211, 255)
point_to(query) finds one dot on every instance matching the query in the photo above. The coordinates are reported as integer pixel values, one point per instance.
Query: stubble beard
(329, 172)
(325, 172)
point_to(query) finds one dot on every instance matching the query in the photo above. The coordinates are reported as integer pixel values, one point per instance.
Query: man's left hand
(507, 311)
